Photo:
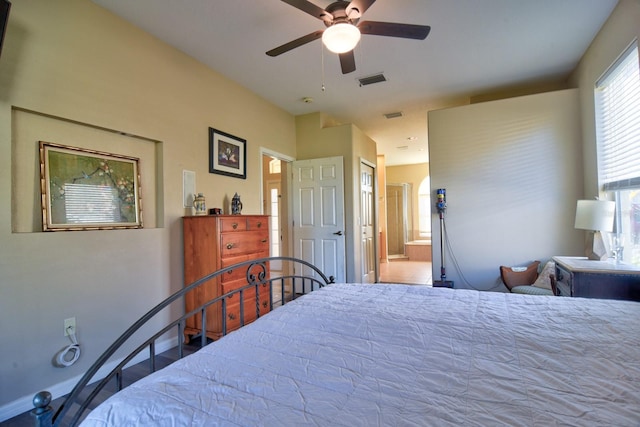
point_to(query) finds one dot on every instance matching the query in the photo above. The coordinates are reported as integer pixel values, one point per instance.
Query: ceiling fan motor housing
(338, 13)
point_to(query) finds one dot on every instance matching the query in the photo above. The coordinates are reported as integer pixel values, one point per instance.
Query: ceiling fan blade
(295, 43)
(311, 9)
(347, 62)
(360, 5)
(390, 29)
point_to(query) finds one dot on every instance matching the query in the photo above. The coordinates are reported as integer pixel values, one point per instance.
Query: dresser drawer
(244, 242)
(233, 224)
(233, 314)
(248, 293)
(236, 273)
(564, 282)
(256, 224)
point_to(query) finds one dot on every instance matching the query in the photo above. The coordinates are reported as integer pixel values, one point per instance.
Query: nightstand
(582, 277)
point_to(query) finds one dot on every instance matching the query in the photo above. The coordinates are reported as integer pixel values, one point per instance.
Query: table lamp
(595, 216)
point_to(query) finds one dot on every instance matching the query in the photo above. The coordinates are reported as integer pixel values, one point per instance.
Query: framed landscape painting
(227, 154)
(85, 189)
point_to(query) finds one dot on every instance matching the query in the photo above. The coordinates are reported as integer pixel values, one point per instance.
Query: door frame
(286, 216)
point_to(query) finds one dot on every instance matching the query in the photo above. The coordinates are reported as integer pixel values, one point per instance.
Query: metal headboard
(301, 275)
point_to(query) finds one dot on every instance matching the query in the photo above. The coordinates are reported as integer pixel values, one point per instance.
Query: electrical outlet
(69, 326)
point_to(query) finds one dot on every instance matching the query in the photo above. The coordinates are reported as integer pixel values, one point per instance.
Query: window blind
(618, 122)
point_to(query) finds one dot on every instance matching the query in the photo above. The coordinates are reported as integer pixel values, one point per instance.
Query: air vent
(376, 78)
(393, 115)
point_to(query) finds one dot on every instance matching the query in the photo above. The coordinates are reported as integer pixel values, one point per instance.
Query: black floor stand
(443, 282)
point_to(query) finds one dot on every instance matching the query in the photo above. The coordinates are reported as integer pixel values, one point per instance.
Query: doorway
(275, 203)
(398, 218)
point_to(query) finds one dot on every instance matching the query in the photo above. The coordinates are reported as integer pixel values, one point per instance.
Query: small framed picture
(227, 154)
(88, 190)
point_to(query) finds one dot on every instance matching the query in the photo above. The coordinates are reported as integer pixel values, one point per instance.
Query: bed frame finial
(43, 412)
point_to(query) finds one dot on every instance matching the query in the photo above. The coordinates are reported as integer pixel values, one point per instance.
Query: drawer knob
(232, 316)
(264, 240)
(234, 225)
(230, 271)
(264, 304)
(230, 245)
(259, 224)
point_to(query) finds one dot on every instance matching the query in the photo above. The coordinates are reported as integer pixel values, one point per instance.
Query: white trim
(289, 215)
(268, 152)
(25, 403)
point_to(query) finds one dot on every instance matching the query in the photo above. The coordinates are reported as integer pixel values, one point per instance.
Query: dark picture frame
(85, 189)
(5, 8)
(227, 154)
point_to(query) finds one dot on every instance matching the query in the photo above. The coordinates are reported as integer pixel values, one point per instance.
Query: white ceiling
(475, 47)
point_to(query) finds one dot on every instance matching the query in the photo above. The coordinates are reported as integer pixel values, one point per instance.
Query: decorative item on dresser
(200, 204)
(215, 242)
(582, 277)
(236, 205)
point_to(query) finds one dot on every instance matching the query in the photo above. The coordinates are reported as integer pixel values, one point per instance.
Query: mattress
(399, 355)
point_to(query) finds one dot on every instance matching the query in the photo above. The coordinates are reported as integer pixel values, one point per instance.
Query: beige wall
(319, 136)
(512, 170)
(616, 34)
(89, 71)
(622, 27)
(414, 175)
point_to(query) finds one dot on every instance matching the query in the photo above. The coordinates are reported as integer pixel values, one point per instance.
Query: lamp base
(595, 248)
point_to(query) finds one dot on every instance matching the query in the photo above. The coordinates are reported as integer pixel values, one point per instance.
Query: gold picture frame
(84, 189)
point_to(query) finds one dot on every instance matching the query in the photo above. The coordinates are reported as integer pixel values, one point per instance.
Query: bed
(403, 355)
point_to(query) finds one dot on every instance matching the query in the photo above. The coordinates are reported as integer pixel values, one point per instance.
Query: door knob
(338, 233)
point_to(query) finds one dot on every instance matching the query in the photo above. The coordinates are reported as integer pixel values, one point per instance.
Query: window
(274, 166)
(424, 208)
(88, 203)
(617, 96)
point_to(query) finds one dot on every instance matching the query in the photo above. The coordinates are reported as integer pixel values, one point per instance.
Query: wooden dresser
(213, 242)
(581, 277)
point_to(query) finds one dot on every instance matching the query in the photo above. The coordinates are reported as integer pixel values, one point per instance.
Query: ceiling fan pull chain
(322, 60)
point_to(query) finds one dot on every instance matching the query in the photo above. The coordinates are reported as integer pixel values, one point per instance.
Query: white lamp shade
(341, 38)
(596, 215)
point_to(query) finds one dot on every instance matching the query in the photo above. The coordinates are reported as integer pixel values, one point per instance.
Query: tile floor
(409, 272)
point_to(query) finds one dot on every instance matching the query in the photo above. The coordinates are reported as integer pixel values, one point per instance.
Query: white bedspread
(396, 355)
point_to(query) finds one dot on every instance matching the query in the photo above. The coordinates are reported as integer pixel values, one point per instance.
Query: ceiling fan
(342, 19)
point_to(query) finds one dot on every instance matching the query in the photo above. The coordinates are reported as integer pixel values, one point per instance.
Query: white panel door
(318, 215)
(368, 234)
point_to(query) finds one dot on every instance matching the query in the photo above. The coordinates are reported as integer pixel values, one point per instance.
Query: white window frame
(617, 108)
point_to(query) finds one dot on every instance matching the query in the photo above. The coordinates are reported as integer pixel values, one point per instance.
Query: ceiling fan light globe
(341, 38)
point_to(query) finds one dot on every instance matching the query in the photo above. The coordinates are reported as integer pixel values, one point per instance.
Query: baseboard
(25, 403)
